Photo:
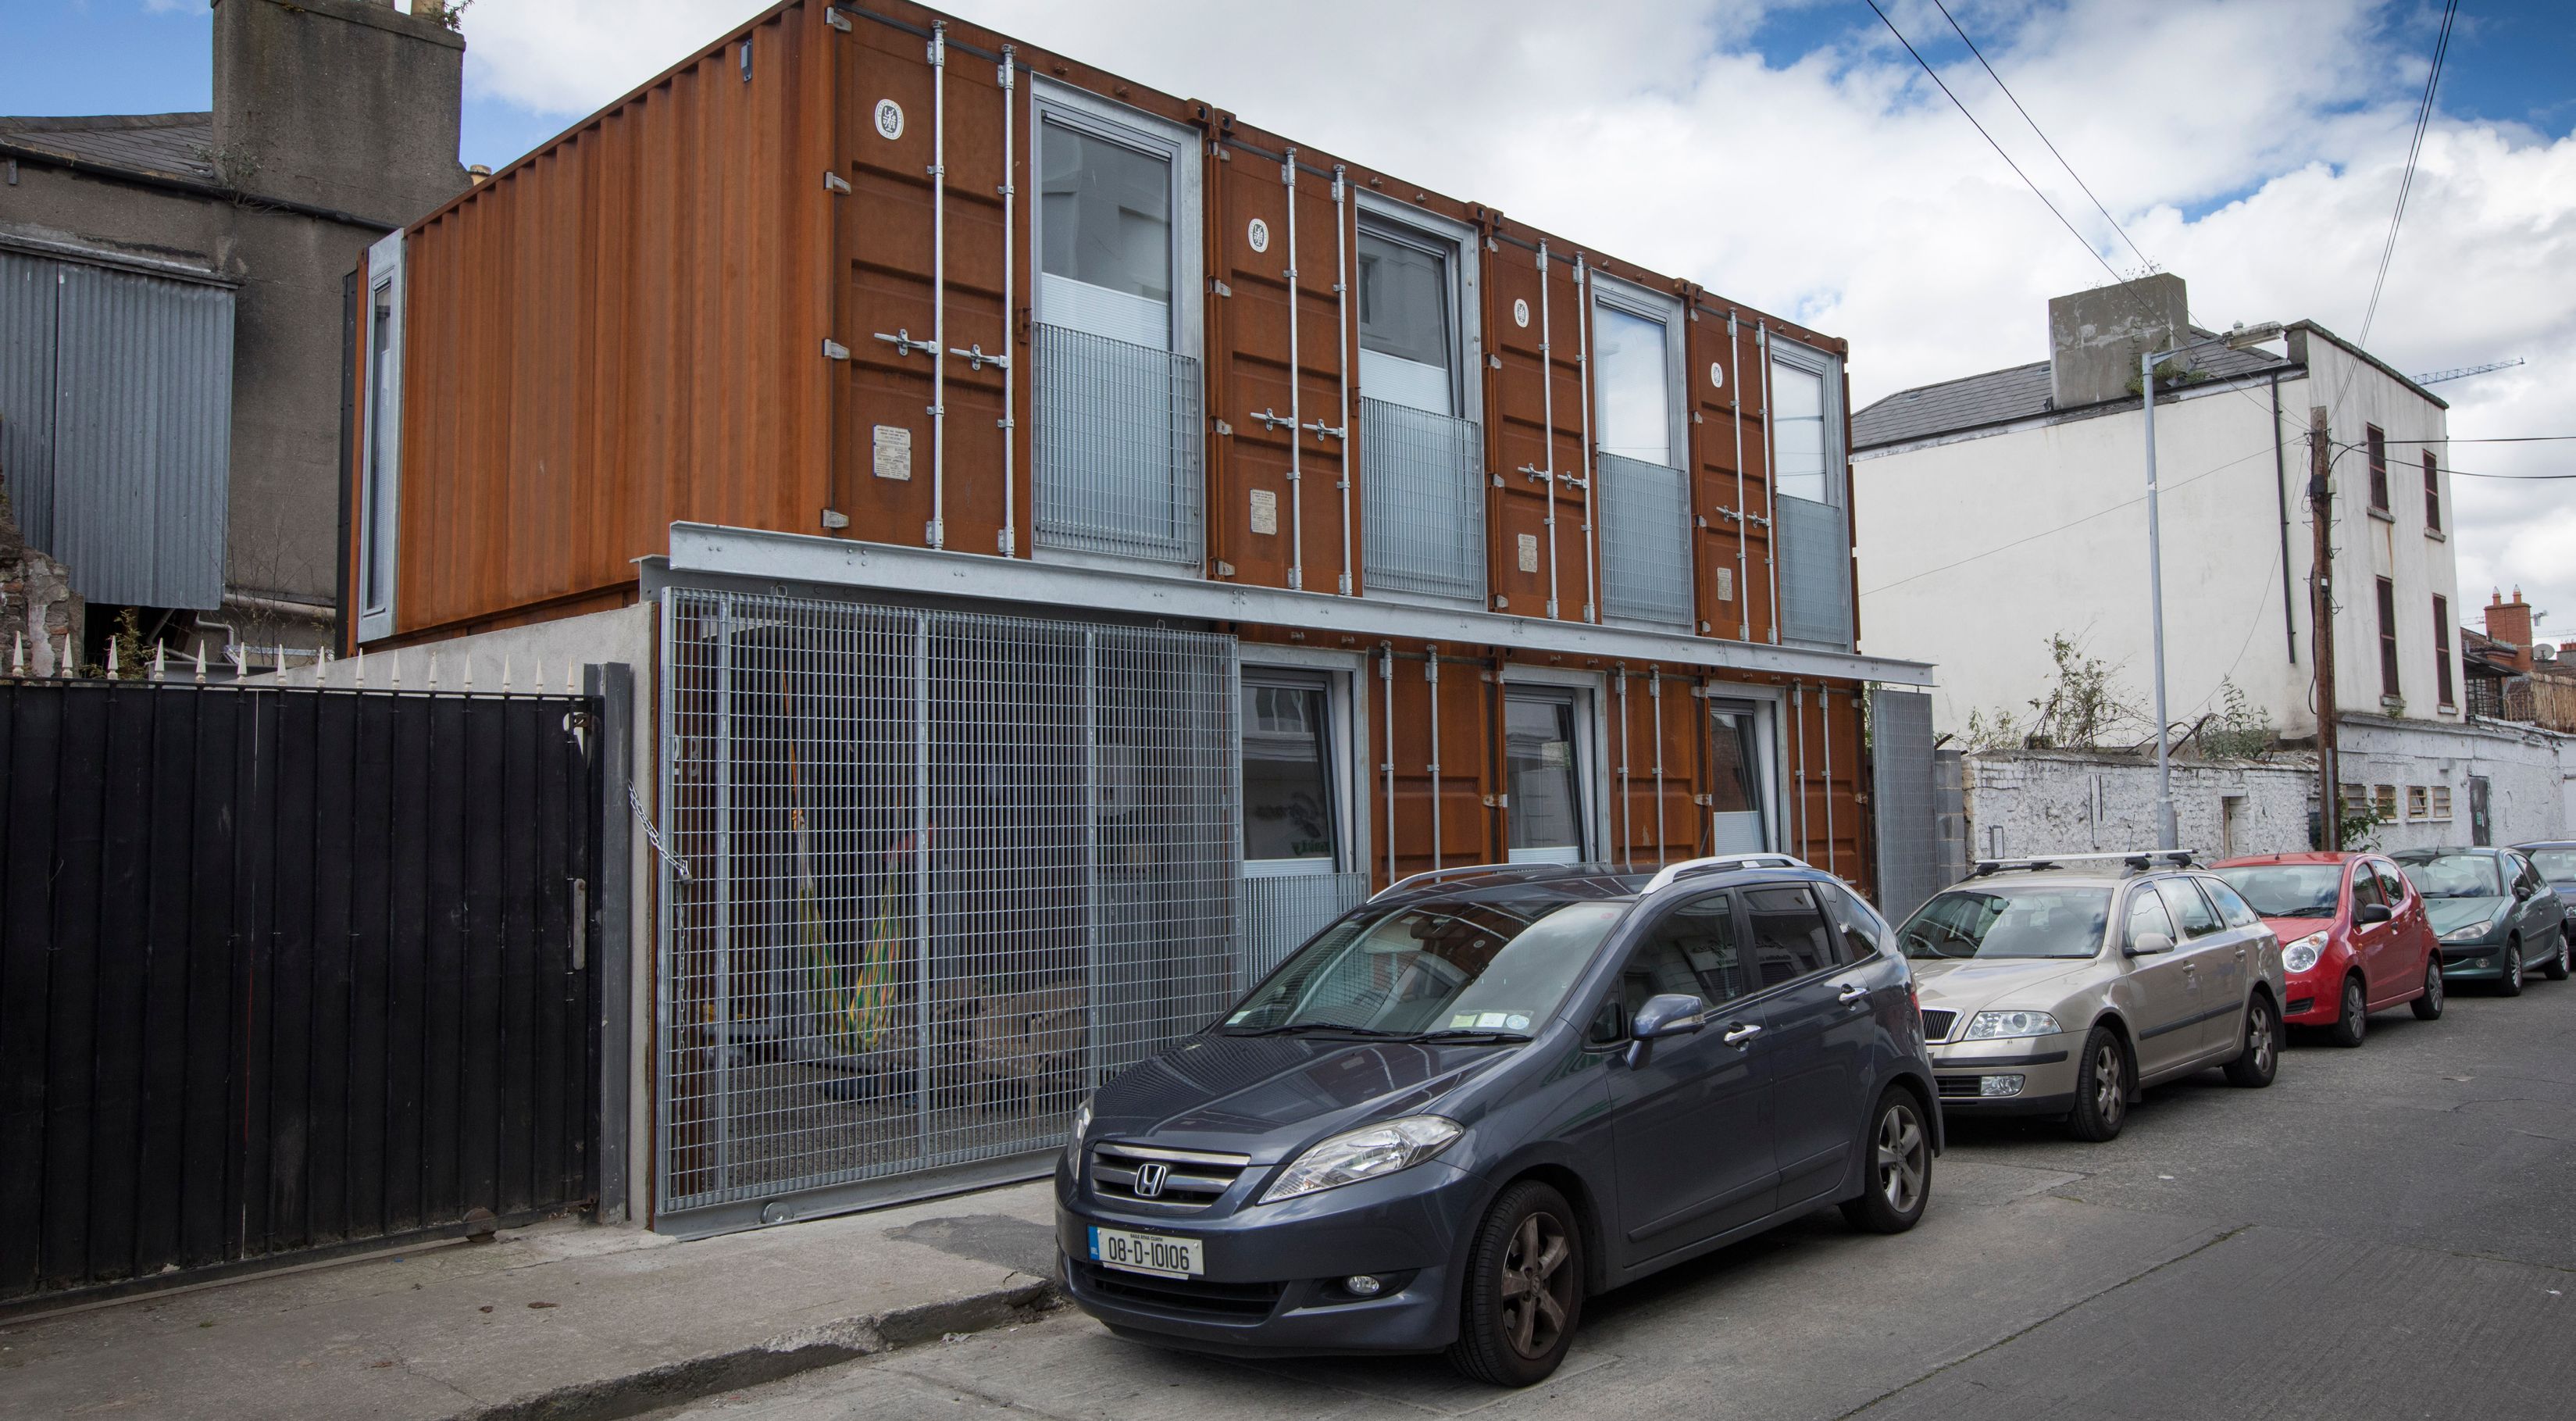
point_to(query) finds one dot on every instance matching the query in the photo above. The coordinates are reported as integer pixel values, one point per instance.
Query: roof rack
(1672, 873)
(2138, 860)
(1443, 875)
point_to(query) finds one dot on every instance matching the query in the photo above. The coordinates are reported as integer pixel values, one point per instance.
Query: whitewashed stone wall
(2525, 769)
(2026, 802)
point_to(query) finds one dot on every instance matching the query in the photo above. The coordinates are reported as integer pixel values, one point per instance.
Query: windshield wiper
(1296, 1028)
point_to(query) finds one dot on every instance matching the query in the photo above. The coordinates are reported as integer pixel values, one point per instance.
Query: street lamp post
(2167, 833)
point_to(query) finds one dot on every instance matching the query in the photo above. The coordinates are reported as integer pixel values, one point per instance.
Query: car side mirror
(2369, 913)
(2521, 892)
(1671, 1014)
(2150, 945)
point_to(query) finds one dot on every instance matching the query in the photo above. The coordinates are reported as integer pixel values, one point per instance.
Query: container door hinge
(1224, 430)
(833, 16)
(834, 350)
(835, 518)
(1219, 288)
(834, 182)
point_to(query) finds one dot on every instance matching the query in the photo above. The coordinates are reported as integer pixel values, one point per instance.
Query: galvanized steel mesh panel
(1903, 799)
(142, 437)
(1116, 444)
(27, 287)
(944, 872)
(1645, 541)
(1815, 573)
(1422, 481)
(1281, 911)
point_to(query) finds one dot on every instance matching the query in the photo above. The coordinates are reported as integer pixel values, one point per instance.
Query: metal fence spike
(18, 656)
(433, 671)
(358, 669)
(111, 658)
(64, 667)
(201, 659)
(160, 659)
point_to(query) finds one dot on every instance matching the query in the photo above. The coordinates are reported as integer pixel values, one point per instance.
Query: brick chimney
(2510, 622)
(2096, 337)
(346, 104)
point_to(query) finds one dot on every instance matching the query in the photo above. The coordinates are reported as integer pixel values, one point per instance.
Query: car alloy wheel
(2110, 1095)
(2509, 976)
(1903, 1154)
(2254, 1066)
(2352, 1021)
(2555, 969)
(1535, 1284)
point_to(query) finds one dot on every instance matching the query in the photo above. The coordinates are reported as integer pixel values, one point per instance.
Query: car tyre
(1523, 1293)
(2428, 1005)
(2555, 969)
(2509, 977)
(2101, 1088)
(2352, 1023)
(2255, 1066)
(1898, 1176)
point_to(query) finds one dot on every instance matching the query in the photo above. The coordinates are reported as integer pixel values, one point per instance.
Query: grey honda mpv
(1486, 1094)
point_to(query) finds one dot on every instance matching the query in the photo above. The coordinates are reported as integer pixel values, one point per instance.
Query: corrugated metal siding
(27, 287)
(623, 331)
(142, 437)
(1815, 573)
(1903, 800)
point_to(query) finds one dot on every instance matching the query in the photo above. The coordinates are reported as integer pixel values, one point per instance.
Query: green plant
(2084, 706)
(2237, 731)
(1999, 733)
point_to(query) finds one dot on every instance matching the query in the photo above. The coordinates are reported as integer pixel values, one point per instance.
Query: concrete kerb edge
(1023, 1299)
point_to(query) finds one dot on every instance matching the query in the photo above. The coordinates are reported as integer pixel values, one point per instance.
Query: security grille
(1116, 443)
(1645, 541)
(1281, 911)
(1904, 797)
(1422, 476)
(931, 875)
(1815, 573)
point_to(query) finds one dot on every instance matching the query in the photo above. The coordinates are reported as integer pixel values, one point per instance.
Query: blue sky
(2510, 62)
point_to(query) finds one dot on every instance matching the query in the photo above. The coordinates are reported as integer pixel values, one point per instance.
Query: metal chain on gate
(653, 835)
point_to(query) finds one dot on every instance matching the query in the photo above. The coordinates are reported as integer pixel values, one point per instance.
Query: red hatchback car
(2354, 937)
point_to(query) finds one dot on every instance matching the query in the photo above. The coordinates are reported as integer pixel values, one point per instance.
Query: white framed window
(1421, 448)
(1415, 281)
(1740, 759)
(1117, 222)
(380, 441)
(1295, 750)
(1637, 374)
(1806, 423)
(1552, 755)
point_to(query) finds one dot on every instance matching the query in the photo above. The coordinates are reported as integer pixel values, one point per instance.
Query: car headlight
(1364, 1154)
(2303, 954)
(2471, 933)
(1996, 1025)
(1073, 1134)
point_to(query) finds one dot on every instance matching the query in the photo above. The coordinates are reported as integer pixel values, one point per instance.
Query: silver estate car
(2064, 986)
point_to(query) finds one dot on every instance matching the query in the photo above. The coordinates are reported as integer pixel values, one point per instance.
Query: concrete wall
(2525, 769)
(347, 104)
(2025, 802)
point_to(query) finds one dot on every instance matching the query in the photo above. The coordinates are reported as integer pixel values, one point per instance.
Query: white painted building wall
(2525, 769)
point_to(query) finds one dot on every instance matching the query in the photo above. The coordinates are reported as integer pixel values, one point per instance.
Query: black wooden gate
(284, 969)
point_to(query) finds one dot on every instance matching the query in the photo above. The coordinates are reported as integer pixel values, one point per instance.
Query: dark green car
(2495, 915)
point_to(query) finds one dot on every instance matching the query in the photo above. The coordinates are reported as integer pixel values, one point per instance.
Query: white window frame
(379, 510)
(1382, 216)
(1591, 733)
(1635, 300)
(1112, 122)
(1827, 368)
(1770, 766)
(1343, 744)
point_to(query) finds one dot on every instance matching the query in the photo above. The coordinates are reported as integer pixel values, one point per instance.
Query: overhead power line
(2406, 183)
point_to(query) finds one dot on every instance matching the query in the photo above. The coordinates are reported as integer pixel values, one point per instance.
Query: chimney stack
(2510, 623)
(346, 104)
(2096, 337)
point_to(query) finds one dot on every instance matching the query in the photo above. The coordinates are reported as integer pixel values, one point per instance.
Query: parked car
(1483, 1096)
(2494, 913)
(2355, 937)
(2065, 986)
(2556, 860)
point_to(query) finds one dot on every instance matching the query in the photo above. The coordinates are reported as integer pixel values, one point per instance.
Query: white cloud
(1843, 189)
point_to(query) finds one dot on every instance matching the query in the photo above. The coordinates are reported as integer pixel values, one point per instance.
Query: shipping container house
(1089, 542)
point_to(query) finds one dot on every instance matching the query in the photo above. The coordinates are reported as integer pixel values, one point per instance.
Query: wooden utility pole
(2321, 608)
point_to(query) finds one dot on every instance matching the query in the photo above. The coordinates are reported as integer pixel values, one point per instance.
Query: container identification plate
(1265, 511)
(1529, 552)
(893, 449)
(889, 119)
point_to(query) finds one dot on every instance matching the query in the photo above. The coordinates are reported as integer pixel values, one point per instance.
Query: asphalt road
(2385, 1232)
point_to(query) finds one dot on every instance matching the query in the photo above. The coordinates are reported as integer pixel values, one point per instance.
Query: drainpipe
(1825, 726)
(1296, 392)
(1627, 805)
(1655, 702)
(1735, 394)
(1771, 511)
(1008, 77)
(1431, 677)
(1547, 408)
(2281, 493)
(1798, 712)
(938, 531)
(1342, 362)
(1386, 679)
(1583, 394)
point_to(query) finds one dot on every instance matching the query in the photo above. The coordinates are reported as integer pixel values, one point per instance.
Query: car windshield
(2556, 865)
(2289, 890)
(2439, 875)
(1487, 965)
(2009, 920)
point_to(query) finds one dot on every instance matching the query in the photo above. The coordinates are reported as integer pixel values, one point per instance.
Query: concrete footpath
(563, 1321)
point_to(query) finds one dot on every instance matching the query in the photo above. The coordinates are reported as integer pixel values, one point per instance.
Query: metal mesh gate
(929, 876)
